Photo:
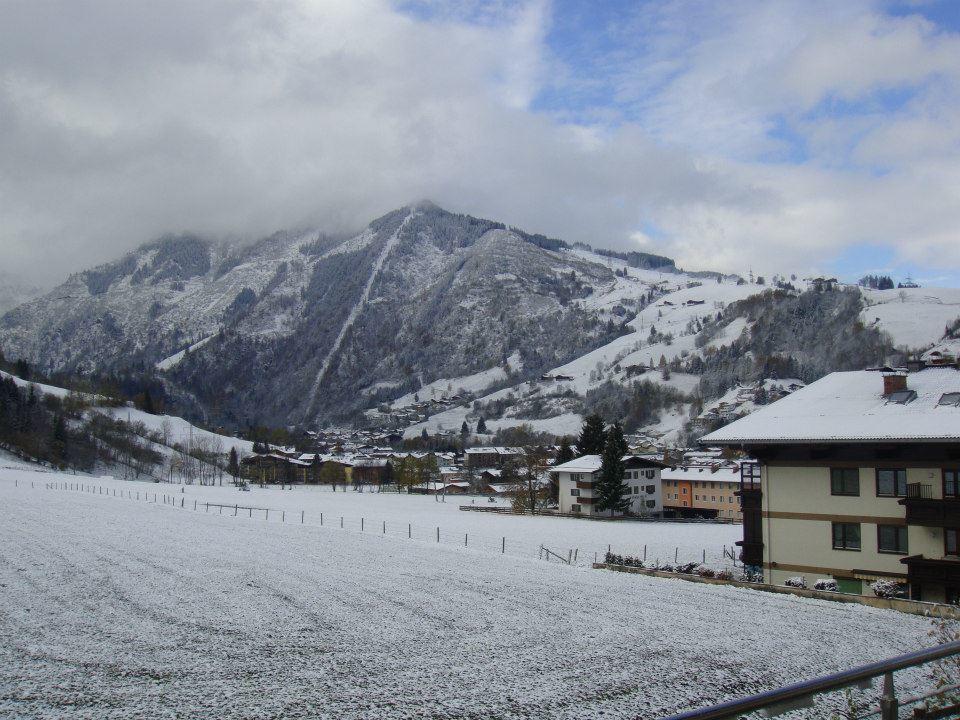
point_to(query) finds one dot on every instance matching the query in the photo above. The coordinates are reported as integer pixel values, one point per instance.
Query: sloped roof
(850, 407)
(587, 463)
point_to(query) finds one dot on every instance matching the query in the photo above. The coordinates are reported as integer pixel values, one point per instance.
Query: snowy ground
(417, 517)
(115, 608)
(914, 317)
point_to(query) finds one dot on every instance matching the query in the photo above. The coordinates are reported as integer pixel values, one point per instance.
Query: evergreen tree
(60, 440)
(565, 454)
(148, 406)
(481, 426)
(593, 436)
(233, 464)
(464, 429)
(610, 489)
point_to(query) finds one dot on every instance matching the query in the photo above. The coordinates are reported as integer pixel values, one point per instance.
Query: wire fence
(394, 529)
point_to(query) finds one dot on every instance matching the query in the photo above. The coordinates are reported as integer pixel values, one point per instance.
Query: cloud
(120, 121)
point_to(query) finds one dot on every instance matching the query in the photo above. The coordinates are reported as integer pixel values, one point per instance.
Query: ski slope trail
(353, 315)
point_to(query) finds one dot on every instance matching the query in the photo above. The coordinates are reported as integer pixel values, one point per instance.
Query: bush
(705, 572)
(796, 582)
(687, 568)
(826, 584)
(751, 577)
(888, 589)
(724, 574)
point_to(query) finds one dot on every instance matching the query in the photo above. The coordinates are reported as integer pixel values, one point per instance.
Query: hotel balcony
(925, 510)
(922, 570)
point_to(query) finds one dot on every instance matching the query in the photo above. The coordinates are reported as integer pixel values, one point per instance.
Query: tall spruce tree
(610, 488)
(233, 464)
(565, 453)
(593, 436)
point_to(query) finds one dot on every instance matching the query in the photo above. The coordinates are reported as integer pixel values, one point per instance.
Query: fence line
(434, 534)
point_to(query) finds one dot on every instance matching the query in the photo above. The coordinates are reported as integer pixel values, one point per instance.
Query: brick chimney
(894, 383)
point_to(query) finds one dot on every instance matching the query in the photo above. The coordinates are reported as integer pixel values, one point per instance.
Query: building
(707, 490)
(576, 480)
(478, 458)
(857, 479)
(272, 468)
(371, 471)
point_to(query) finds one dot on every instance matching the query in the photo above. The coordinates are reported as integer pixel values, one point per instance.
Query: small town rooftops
(856, 407)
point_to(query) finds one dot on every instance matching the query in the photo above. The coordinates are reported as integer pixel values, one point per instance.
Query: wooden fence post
(438, 534)
(301, 517)
(503, 549)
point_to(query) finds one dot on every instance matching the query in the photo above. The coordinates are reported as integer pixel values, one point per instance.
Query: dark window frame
(956, 542)
(843, 491)
(896, 489)
(956, 483)
(901, 550)
(845, 542)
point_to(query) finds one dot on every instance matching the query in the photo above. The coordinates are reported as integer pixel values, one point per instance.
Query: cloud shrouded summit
(771, 134)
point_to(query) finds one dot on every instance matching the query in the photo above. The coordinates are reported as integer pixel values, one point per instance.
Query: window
(650, 474)
(891, 482)
(651, 503)
(575, 492)
(651, 489)
(950, 398)
(730, 500)
(901, 397)
(950, 541)
(892, 539)
(575, 508)
(713, 498)
(845, 481)
(636, 489)
(684, 491)
(951, 483)
(696, 497)
(576, 477)
(846, 536)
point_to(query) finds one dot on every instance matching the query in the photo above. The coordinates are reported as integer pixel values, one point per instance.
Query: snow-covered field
(115, 608)
(914, 317)
(417, 517)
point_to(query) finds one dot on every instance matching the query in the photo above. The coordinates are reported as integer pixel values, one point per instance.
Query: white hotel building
(577, 480)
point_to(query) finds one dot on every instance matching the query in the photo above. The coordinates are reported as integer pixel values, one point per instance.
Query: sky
(804, 136)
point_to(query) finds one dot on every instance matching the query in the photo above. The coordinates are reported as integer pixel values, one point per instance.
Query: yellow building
(858, 479)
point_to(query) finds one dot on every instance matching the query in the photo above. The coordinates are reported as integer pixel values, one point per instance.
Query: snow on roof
(850, 407)
(587, 463)
(495, 451)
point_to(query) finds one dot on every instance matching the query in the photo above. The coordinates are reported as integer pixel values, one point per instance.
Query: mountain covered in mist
(303, 326)
(426, 320)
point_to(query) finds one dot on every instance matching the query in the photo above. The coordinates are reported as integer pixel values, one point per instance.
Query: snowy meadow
(118, 607)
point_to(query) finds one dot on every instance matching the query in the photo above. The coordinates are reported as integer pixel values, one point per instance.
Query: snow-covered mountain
(303, 326)
(426, 319)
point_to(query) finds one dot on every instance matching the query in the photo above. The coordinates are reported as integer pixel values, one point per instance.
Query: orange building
(703, 490)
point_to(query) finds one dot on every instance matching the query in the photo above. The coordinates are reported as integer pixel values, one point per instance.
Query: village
(693, 484)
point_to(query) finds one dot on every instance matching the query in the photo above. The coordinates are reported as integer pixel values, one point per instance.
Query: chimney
(894, 383)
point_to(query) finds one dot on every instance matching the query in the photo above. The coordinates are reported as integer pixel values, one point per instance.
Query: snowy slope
(914, 317)
(179, 430)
